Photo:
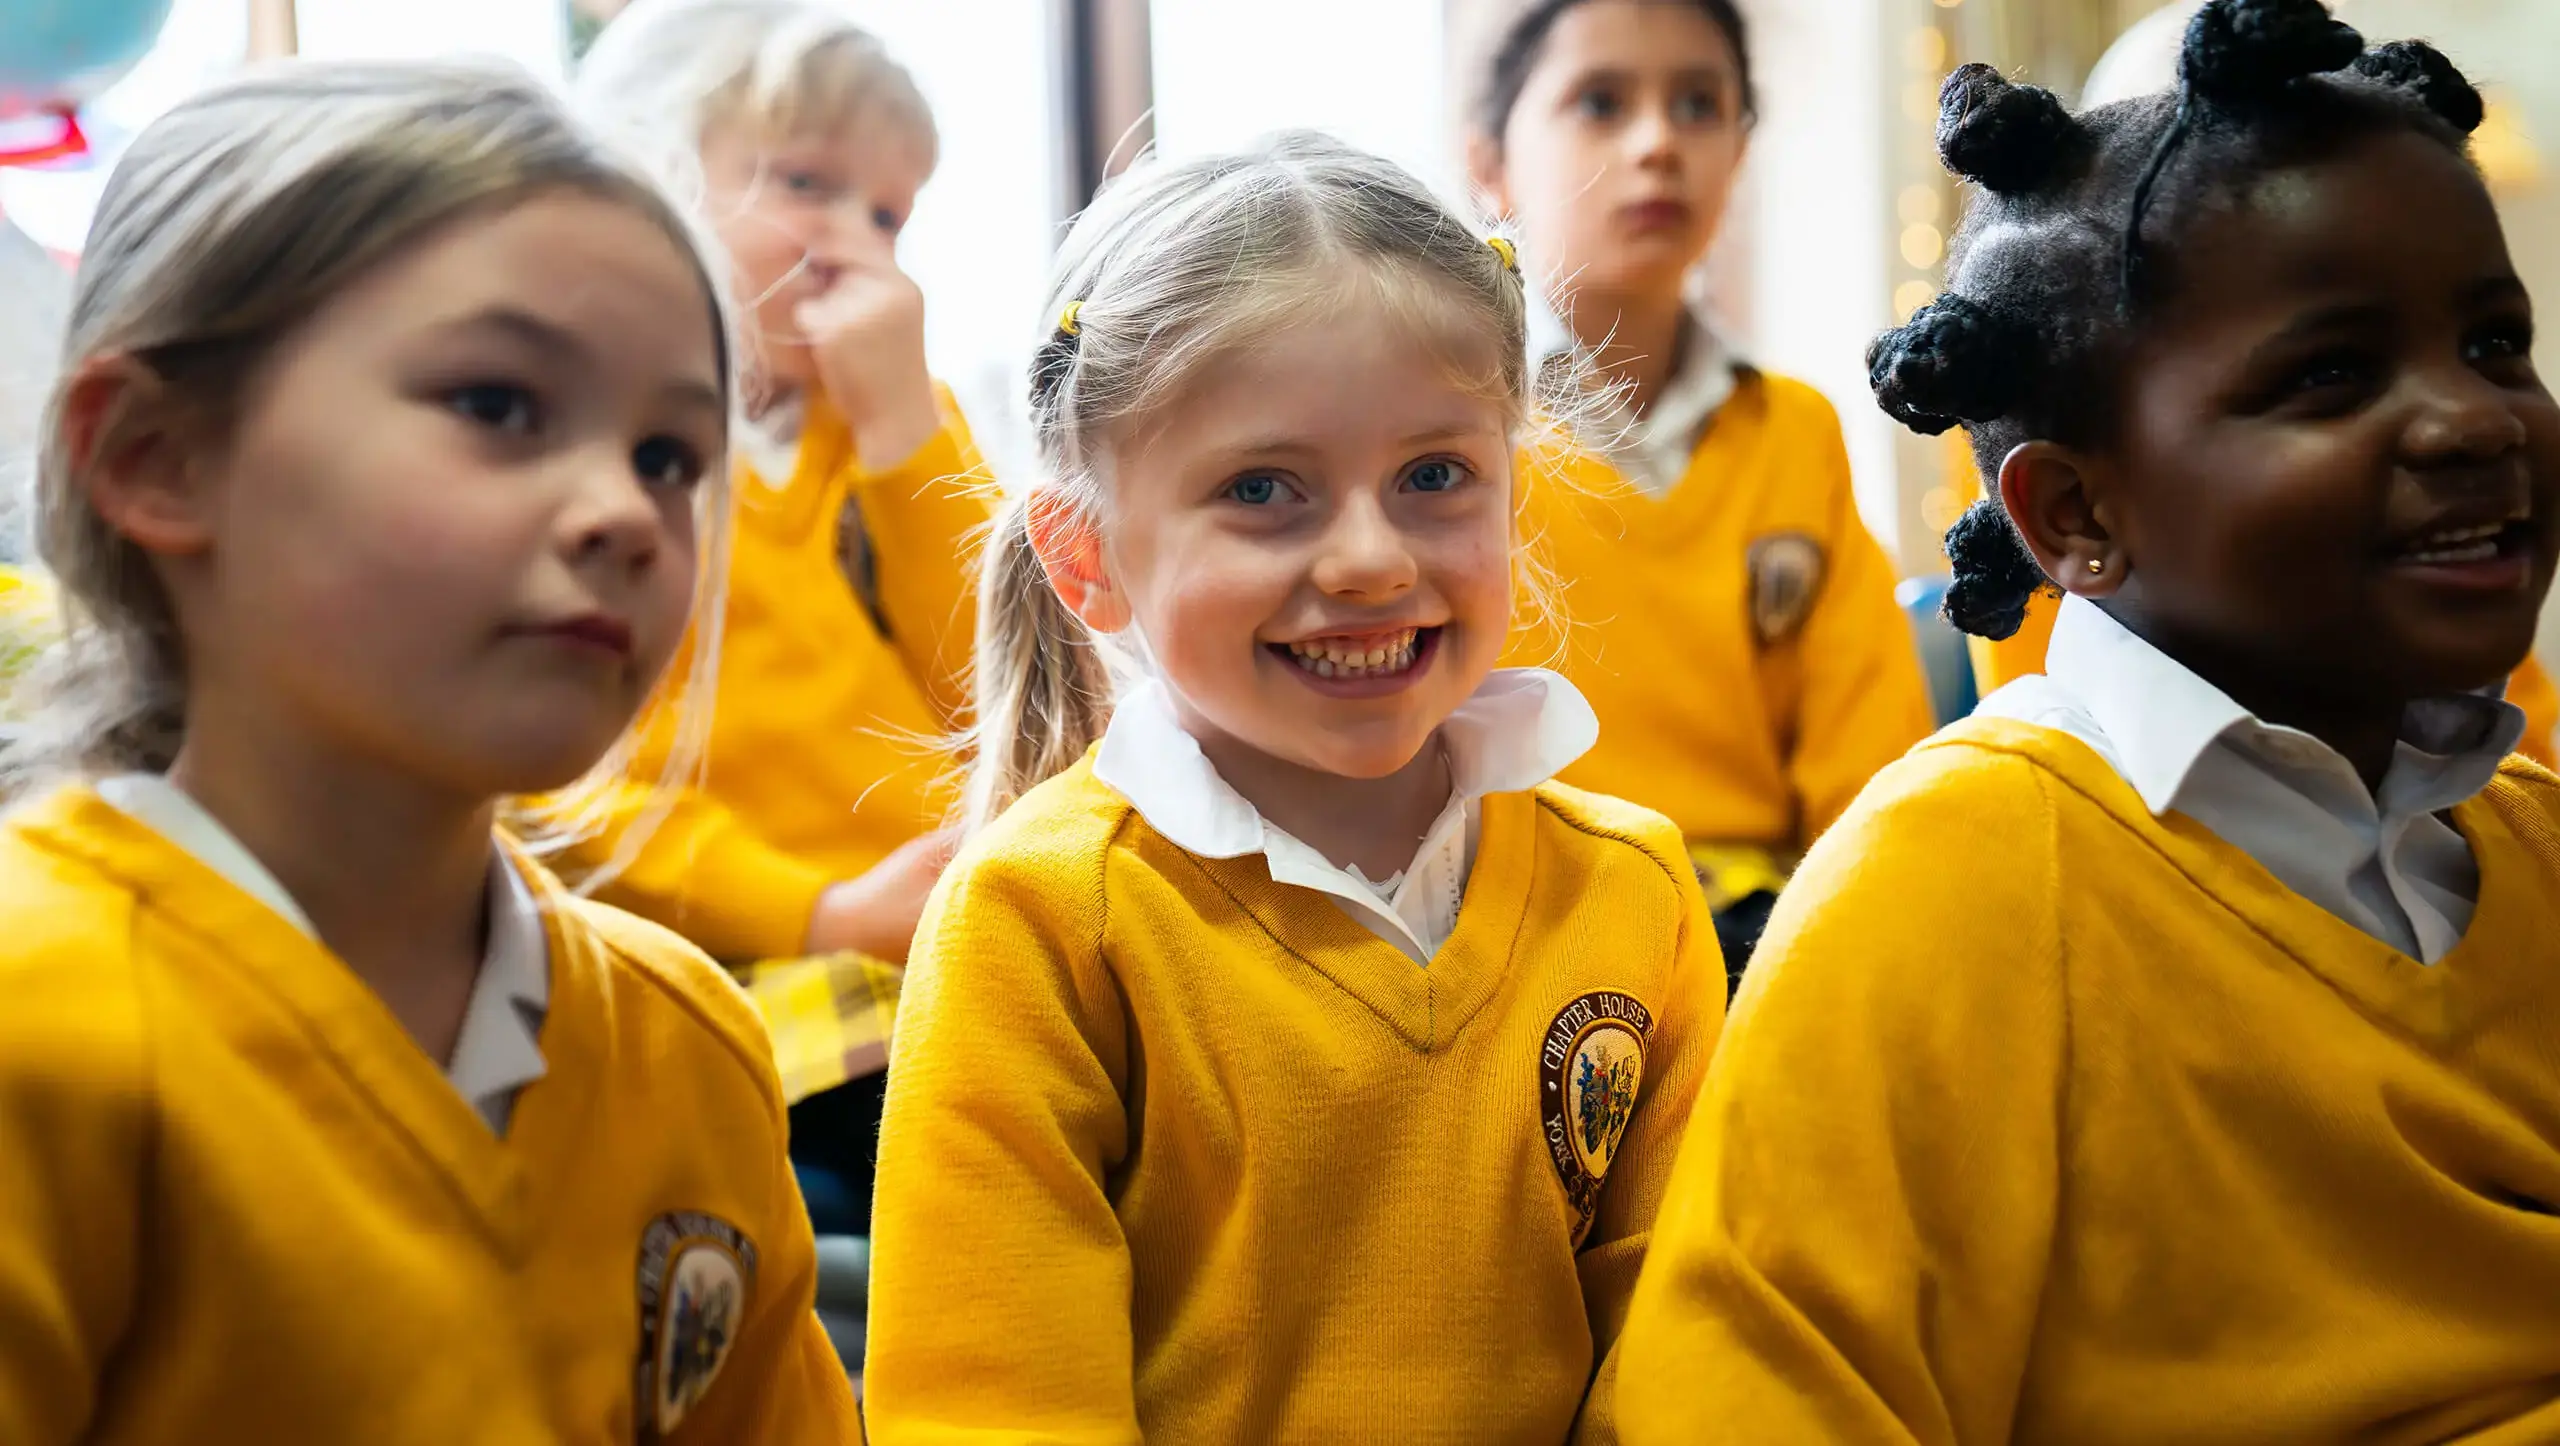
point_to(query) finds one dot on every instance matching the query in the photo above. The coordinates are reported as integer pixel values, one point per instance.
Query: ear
(1486, 172)
(2057, 498)
(1071, 553)
(133, 458)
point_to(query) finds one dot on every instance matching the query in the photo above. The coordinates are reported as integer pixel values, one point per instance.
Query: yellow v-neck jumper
(238, 1204)
(2042, 1120)
(1175, 1152)
(1737, 635)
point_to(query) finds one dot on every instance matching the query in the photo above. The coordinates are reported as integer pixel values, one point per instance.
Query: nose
(1650, 136)
(611, 519)
(2461, 418)
(1364, 557)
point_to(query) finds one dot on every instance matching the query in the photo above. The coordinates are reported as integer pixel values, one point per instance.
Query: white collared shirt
(1654, 449)
(2386, 862)
(1518, 730)
(499, 1050)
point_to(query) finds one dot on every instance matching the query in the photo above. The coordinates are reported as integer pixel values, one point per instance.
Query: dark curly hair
(2072, 237)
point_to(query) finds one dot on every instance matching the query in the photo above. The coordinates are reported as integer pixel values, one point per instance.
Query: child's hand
(866, 332)
(877, 913)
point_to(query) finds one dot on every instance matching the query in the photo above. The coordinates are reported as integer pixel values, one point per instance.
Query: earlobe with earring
(2097, 567)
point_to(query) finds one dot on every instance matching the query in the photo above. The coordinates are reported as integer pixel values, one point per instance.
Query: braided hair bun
(2243, 52)
(2423, 71)
(1954, 362)
(2008, 138)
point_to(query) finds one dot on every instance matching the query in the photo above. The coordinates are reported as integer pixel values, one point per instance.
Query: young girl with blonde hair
(385, 457)
(802, 850)
(1286, 1057)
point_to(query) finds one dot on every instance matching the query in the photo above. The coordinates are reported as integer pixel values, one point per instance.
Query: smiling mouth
(2461, 546)
(1350, 658)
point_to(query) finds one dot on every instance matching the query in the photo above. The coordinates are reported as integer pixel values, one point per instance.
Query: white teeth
(1328, 658)
(2457, 545)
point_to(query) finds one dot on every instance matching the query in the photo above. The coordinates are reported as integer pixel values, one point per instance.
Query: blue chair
(1944, 653)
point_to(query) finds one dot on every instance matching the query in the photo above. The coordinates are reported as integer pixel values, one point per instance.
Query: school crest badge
(1786, 576)
(696, 1274)
(1590, 1066)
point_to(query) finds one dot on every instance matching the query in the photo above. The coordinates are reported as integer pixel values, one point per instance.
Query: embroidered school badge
(696, 1273)
(1589, 1069)
(1785, 569)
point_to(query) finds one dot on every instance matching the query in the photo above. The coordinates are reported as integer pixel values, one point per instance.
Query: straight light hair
(231, 221)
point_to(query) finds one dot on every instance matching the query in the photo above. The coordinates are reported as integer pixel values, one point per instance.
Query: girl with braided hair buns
(2144, 59)
(2164, 1054)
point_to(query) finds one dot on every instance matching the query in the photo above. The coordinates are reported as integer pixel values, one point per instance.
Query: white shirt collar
(2160, 718)
(2384, 860)
(1654, 450)
(1519, 729)
(499, 1050)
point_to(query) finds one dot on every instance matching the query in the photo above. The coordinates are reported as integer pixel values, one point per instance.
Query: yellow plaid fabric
(26, 625)
(1733, 872)
(830, 1017)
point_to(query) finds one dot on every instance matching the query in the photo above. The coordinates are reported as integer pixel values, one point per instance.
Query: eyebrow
(1292, 446)
(1715, 73)
(559, 344)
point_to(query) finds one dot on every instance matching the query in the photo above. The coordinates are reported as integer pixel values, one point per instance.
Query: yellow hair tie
(1067, 318)
(1503, 248)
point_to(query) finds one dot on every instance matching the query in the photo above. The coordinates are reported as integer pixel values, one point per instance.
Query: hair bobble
(1067, 318)
(1509, 253)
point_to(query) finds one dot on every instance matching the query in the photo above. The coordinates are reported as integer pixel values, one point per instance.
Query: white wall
(1370, 71)
(1818, 224)
(532, 32)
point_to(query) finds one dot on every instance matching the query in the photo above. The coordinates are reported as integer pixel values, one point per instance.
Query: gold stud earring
(2097, 566)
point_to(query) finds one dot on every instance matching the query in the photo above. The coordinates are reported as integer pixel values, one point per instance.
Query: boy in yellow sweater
(1291, 1060)
(392, 429)
(2165, 1054)
(1730, 618)
(803, 852)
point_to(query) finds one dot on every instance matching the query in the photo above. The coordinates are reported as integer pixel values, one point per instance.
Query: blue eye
(666, 462)
(1436, 475)
(806, 183)
(1598, 104)
(498, 406)
(1257, 489)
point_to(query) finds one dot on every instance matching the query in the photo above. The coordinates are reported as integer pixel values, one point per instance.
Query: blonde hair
(230, 221)
(667, 71)
(1173, 266)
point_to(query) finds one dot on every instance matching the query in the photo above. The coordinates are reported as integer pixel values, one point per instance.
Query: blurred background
(1840, 229)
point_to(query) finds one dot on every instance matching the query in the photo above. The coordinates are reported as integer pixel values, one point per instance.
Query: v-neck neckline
(346, 1023)
(1426, 1005)
(2438, 1001)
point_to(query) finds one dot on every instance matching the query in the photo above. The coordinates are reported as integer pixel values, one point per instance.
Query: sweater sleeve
(1855, 1243)
(924, 517)
(687, 862)
(74, 1122)
(1863, 698)
(789, 1386)
(1000, 1296)
(1684, 1039)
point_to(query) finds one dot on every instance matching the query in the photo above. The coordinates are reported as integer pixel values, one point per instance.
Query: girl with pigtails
(1292, 1059)
(2165, 1053)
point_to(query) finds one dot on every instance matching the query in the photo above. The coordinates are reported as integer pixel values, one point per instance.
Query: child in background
(813, 827)
(1735, 624)
(1291, 1060)
(390, 431)
(2165, 1054)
